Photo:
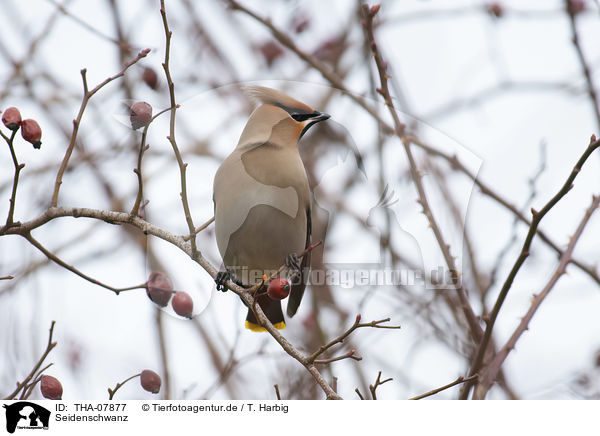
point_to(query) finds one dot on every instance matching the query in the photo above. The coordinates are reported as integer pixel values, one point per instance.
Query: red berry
(150, 381)
(278, 289)
(12, 118)
(51, 388)
(140, 114)
(150, 78)
(330, 50)
(31, 132)
(496, 9)
(574, 7)
(182, 304)
(271, 51)
(300, 23)
(159, 288)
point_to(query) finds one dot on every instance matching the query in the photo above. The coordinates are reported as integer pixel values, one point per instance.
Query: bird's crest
(261, 94)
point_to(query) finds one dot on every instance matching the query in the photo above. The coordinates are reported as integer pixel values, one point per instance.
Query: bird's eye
(300, 117)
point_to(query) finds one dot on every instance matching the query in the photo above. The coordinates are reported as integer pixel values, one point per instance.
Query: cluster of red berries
(159, 289)
(30, 129)
(52, 389)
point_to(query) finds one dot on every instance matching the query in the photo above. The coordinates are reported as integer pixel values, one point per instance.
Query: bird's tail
(272, 309)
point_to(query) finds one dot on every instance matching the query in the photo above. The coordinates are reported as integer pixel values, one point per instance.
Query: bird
(262, 201)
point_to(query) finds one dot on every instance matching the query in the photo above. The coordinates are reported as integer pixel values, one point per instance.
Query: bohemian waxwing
(263, 201)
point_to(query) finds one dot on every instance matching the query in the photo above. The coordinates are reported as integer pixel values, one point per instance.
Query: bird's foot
(292, 262)
(221, 279)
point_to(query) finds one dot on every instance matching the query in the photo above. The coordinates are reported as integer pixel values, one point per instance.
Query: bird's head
(279, 119)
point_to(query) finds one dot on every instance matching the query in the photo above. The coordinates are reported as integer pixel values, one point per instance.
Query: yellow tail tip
(257, 328)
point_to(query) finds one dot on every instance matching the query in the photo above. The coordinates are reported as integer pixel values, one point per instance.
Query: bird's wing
(297, 291)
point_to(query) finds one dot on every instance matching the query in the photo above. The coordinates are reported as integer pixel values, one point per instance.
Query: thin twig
(585, 66)
(138, 170)
(51, 256)
(199, 229)
(458, 381)
(18, 168)
(87, 94)
(84, 24)
(357, 324)
(349, 355)
(23, 385)
(535, 221)
(277, 392)
(182, 165)
(27, 392)
(112, 392)
(378, 382)
(164, 355)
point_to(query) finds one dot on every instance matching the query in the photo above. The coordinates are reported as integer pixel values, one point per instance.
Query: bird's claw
(292, 262)
(221, 279)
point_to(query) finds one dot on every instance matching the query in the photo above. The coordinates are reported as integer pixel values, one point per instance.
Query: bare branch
(399, 130)
(138, 170)
(378, 382)
(458, 381)
(51, 256)
(359, 394)
(18, 168)
(357, 324)
(24, 384)
(87, 94)
(349, 355)
(490, 373)
(202, 227)
(585, 66)
(537, 217)
(277, 392)
(182, 165)
(112, 392)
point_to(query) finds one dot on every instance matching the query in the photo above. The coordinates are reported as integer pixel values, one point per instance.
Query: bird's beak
(319, 116)
(314, 119)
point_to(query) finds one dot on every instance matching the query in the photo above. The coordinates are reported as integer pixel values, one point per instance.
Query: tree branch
(349, 355)
(51, 256)
(585, 66)
(378, 382)
(357, 324)
(492, 369)
(399, 130)
(18, 168)
(182, 165)
(24, 384)
(87, 94)
(537, 217)
(458, 381)
(138, 170)
(112, 392)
